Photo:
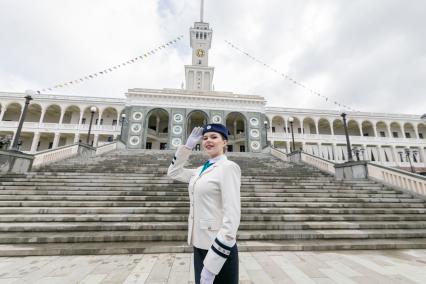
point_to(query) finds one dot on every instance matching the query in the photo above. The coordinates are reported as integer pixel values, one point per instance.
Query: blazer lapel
(212, 167)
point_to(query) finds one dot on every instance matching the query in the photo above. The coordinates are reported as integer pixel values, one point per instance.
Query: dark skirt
(229, 272)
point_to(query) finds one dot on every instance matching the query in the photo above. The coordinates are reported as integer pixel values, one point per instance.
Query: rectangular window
(50, 145)
(407, 135)
(148, 145)
(114, 122)
(242, 148)
(163, 146)
(273, 128)
(382, 134)
(83, 121)
(421, 136)
(365, 134)
(395, 134)
(299, 130)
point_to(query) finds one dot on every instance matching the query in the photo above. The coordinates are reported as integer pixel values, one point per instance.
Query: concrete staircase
(123, 202)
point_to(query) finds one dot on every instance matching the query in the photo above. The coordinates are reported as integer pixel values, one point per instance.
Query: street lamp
(408, 152)
(291, 120)
(5, 141)
(266, 130)
(357, 151)
(92, 110)
(348, 143)
(28, 98)
(123, 119)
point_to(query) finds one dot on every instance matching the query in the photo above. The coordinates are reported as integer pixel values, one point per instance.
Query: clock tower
(199, 76)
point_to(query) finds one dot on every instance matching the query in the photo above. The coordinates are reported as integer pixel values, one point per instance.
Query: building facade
(162, 119)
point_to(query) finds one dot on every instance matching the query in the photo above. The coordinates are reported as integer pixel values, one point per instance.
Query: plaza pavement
(394, 266)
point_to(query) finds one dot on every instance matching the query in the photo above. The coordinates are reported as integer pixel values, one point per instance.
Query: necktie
(206, 166)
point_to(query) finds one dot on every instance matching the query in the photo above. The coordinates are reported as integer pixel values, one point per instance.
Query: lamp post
(28, 98)
(357, 151)
(408, 152)
(266, 131)
(348, 143)
(123, 119)
(291, 120)
(92, 110)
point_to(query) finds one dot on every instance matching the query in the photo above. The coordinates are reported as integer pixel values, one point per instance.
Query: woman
(214, 215)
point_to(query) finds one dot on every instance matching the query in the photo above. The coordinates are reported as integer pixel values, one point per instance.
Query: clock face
(200, 52)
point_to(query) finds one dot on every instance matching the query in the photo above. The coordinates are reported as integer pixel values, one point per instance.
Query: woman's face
(213, 144)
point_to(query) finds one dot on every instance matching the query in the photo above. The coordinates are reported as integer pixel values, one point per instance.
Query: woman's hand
(194, 138)
(206, 277)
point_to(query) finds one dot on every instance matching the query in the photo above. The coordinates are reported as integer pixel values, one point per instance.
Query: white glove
(206, 276)
(194, 138)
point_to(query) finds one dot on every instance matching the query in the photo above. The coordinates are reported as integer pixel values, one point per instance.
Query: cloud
(366, 54)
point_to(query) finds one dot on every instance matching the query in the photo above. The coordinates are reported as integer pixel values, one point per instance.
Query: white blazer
(215, 206)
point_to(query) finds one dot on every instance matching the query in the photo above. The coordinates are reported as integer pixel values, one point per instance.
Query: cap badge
(208, 127)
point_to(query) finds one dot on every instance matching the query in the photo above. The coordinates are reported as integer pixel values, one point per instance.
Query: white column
(331, 128)
(374, 130)
(34, 145)
(317, 127)
(3, 110)
(389, 130)
(76, 137)
(99, 117)
(157, 125)
(95, 140)
(288, 146)
(286, 125)
(379, 155)
(360, 130)
(334, 153)
(56, 140)
(417, 133)
(62, 117)
(81, 118)
(422, 154)
(43, 113)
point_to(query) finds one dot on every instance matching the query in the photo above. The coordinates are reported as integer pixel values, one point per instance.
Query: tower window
(199, 62)
(196, 35)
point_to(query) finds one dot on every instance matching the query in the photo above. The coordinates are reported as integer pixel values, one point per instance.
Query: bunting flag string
(112, 68)
(289, 78)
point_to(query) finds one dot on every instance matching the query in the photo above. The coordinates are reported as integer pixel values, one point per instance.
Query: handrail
(50, 156)
(279, 154)
(320, 163)
(413, 183)
(106, 148)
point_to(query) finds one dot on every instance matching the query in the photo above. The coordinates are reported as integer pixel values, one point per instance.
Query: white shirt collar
(217, 159)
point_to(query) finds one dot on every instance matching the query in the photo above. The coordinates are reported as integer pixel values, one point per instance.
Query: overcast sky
(368, 54)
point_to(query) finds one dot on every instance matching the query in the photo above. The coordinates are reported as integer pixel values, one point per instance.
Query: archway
(367, 128)
(157, 130)
(13, 112)
(278, 124)
(382, 129)
(324, 126)
(409, 131)
(72, 115)
(53, 114)
(338, 127)
(236, 124)
(353, 128)
(309, 126)
(396, 130)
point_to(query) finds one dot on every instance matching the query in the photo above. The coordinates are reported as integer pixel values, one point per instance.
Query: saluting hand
(194, 138)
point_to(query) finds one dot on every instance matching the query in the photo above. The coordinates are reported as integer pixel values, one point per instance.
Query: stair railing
(53, 155)
(410, 182)
(318, 162)
(65, 152)
(413, 183)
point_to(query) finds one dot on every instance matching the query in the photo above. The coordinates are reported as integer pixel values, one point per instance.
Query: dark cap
(216, 127)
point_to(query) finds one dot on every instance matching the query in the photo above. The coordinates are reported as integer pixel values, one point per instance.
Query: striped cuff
(220, 249)
(174, 160)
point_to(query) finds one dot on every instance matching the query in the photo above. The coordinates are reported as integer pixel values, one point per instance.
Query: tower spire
(202, 11)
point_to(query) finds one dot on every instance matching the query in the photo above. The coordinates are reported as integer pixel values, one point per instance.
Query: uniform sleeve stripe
(173, 162)
(218, 252)
(222, 245)
(174, 158)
